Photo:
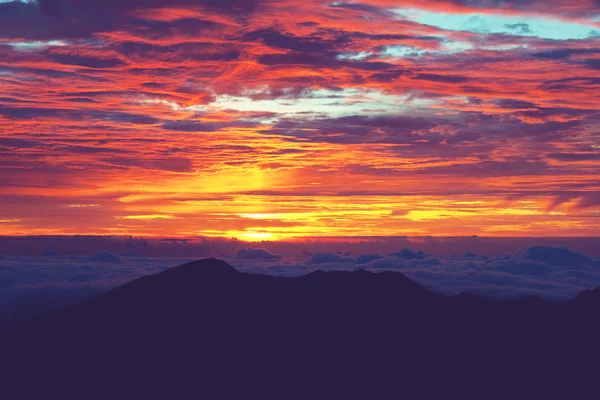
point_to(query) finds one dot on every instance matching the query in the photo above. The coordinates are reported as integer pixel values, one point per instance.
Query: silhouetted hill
(588, 297)
(205, 330)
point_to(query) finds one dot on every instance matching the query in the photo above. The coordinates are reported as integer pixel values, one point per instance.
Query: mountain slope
(204, 328)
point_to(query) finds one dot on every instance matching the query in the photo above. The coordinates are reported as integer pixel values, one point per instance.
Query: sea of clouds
(553, 273)
(34, 284)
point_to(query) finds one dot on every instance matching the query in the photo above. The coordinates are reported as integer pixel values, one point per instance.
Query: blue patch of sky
(531, 26)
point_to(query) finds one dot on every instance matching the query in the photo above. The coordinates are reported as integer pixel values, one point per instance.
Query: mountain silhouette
(206, 330)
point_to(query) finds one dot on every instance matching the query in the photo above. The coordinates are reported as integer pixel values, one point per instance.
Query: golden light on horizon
(284, 130)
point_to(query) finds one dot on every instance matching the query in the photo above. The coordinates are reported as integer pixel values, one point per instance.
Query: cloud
(256, 254)
(327, 258)
(105, 256)
(172, 164)
(50, 253)
(29, 285)
(367, 258)
(553, 273)
(593, 63)
(191, 126)
(329, 97)
(360, 7)
(521, 28)
(523, 268)
(410, 255)
(25, 301)
(274, 38)
(562, 53)
(554, 256)
(575, 156)
(442, 78)
(86, 61)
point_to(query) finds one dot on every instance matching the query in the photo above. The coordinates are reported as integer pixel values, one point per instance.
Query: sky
(269, 120)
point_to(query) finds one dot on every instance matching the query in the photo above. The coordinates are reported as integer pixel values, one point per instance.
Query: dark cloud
(593, 63)
(562, 54)
(256, 254)
(517, 267)
(87, 149)
(360, 7)
(191, 126)
(86, 61)
(15, 9)
(514, 104)
(327, 258)
(75, 115)
(386, 76)
(274, 38)
(56, 19)
(173, 164)
(31, 112)
(105, 256)
(589, 200)
(521, 28)
(367, 258)
(16, 143)
(181, 52)
(575, 156)
(442, 78)
(81, 100)
(408, 254)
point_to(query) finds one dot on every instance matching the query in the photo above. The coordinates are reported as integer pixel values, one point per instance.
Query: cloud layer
(553, 273)
(266, 120)
(30, 285)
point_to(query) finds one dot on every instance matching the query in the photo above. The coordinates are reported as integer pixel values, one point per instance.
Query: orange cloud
(278, 120)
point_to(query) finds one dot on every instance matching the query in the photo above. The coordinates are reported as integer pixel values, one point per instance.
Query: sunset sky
(267, 120)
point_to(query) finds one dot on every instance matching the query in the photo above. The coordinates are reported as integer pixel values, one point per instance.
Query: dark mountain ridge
(204, 329)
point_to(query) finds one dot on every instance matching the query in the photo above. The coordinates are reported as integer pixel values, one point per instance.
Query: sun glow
(309, 119)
